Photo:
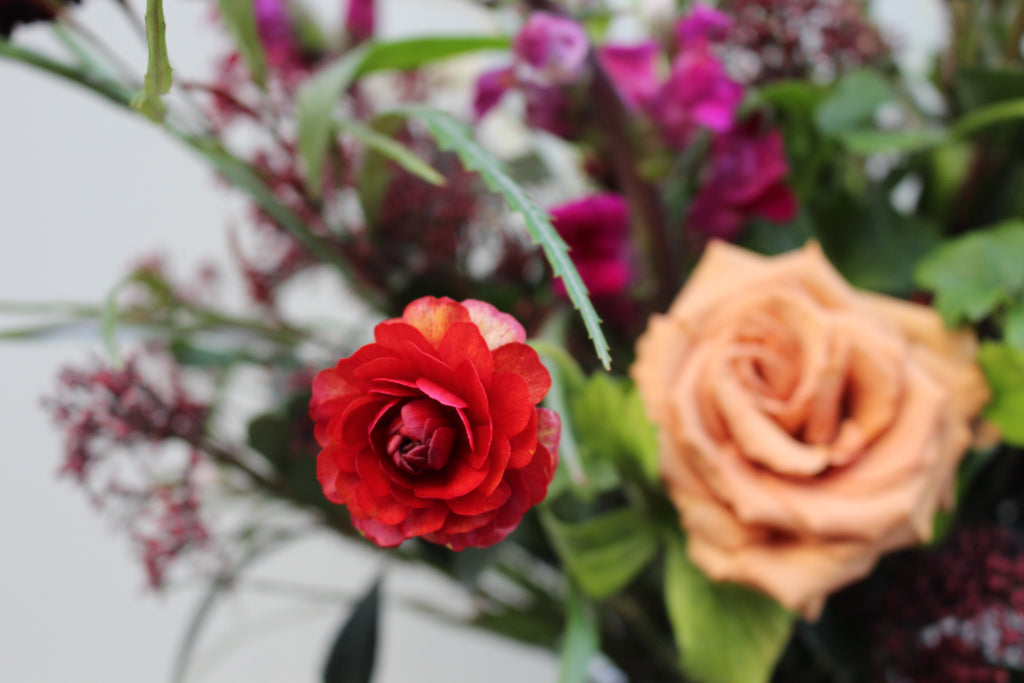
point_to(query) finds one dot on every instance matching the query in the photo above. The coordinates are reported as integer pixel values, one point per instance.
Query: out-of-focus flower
(954, 614)
(361, 20)
(596, 228)
(275, 30)
(108, 413)
(703, 24)
(746, 178)
(14, 12)
(806, 427)
(802, 38)
(550, 50)
(698, 94)
(633, 70)
(432, 430)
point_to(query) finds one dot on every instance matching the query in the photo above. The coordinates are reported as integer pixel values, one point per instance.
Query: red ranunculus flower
(433, 429)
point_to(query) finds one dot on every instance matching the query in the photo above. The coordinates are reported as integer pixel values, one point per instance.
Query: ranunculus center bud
(420, 437)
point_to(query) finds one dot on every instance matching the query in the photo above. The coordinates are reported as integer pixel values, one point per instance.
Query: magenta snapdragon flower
(596, 228)
(550, 52)
(361, 20)
(746, 178)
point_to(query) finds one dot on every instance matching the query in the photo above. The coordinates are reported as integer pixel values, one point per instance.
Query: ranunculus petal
(432, 317)
(497, 328)
(476, 502)
(463, 342)
(510, 403)
(520, 359)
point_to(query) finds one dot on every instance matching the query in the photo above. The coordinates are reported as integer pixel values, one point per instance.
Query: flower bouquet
(686, 340)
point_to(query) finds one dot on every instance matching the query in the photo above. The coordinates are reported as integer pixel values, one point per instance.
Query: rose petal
(477, 502)
(522, 360)
(463, 342)
(497, 328)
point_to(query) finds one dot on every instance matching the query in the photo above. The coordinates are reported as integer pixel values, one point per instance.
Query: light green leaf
(159, 75)
(315, 103)
(726, 633)
(1004, 368)
(613, 427)
(318, 96)
(975, 274)
(603, 553)
(987, 116)
(240, 18)
(108, 325)
(580, 641)
(905, 141)
(415, 52)
(392, 149)
(853, 103)
(1013, 325)
(451, 134)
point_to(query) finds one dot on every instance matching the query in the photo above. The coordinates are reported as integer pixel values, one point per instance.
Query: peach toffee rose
(806, 427)
(433, 430)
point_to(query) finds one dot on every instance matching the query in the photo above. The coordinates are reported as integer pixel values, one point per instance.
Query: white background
(85, 190)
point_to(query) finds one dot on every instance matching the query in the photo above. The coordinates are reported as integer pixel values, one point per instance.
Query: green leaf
(451, 134)
(159, 74)
(978, 119)
(354, 651)
(603, 553)
(1013, 325)
(726, 633)
(1004, 368)
(315, 104)
(975, 274)
(612, 426)
(902, 141)
(392, 149)
(416, 52)
(581, 640)
(108, 324)
(853, 103)
(317, 98)
(270, 434)
(239, 16)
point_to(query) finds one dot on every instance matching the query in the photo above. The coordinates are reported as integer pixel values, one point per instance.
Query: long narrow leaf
(239, 16)
(103, 86)
(451, 134)
(393, 150)
(354, 652)
(159, 74)
(315, 104)
(317, 98)
(580, 642)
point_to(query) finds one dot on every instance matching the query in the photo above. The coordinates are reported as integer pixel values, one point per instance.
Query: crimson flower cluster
(956, 614)
(432, 430)
(116, 424)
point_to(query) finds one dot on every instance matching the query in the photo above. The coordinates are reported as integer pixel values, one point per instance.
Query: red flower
(433, 429)
(596, 229)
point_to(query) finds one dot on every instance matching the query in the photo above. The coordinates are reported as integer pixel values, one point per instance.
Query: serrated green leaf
(581, 640)
(853, 103)
(240, 18)
(603, 553)
(354, 652)
(1004, 368)
(392, 149)
(451, 134)
(726, 633)
(159, 75)
(317, 98)
(975, 274)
